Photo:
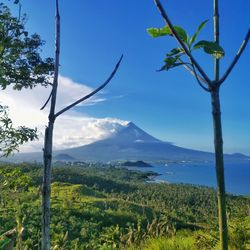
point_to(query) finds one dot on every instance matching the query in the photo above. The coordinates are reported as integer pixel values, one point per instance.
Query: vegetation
(135, 164)
(105, 207)
(21, 66)
(102, 206)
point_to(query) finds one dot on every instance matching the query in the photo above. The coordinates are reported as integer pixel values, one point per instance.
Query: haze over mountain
(129, 142)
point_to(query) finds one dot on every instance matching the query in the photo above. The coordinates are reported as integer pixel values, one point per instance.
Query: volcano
(130, 143)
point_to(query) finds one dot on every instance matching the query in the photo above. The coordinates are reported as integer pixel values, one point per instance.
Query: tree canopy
(21, 66)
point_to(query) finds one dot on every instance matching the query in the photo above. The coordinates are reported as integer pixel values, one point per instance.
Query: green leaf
(170, 62)
(1, 48)
(175, 51)
(156, 32)
(4, 242)
(165, 31)
(181, 33)
(194, 37)
(211, 48)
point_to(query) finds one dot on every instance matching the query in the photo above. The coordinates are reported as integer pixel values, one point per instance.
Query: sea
(237, 176)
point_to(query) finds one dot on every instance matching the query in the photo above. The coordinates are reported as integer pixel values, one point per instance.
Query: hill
(104, 207)
(136, 164)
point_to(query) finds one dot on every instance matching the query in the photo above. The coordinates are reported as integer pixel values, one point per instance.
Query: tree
(187, 45)
(22, 67)
(48, 140)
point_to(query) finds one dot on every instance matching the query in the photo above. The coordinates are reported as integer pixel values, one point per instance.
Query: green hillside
(104, 207)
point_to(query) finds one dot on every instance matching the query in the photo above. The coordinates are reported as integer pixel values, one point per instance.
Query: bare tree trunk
(218, 145)
(48, 144)
(46, 190)
(218, 140)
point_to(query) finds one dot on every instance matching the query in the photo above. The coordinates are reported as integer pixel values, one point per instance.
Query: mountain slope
(131, 143)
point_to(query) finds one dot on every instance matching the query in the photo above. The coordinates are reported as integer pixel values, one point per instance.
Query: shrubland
(98, 206)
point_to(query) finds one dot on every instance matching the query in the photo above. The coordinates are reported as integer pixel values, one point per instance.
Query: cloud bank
(72, 129)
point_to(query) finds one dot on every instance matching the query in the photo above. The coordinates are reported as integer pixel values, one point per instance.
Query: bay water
(237, 176)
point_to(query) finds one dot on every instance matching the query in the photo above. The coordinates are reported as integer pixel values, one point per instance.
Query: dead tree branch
(93, 92)
(236, 58)
(47, 100)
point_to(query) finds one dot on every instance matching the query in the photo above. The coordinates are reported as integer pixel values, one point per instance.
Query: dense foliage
(104, 207)
(21, 66)
(10, 137)
(20, 62)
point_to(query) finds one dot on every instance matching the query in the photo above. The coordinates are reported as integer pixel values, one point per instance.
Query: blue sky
(169, 105)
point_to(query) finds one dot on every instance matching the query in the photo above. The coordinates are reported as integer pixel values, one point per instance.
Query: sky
(168, 105)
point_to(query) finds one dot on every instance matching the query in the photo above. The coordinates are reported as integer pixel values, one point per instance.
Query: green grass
(173, 243)
(4, 242)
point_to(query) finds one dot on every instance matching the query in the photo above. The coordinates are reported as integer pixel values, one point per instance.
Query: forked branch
(93, 92)
(193, 72)
(171, 27)
(198, 81)
(236, 58)
(190, 70)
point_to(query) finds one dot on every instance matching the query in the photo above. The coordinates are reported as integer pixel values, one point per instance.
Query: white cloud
(72, 128)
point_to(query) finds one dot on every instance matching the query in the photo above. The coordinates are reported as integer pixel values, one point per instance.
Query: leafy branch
(20, 62)
(188, 44)
(10, 137)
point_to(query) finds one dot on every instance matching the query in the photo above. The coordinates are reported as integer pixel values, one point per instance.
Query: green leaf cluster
(166, 31)
(173, 58)
(20, 62)
(10, 137)
(211, 48)
(13, 179)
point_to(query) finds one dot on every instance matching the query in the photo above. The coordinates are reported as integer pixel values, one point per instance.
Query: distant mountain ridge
(130, 143)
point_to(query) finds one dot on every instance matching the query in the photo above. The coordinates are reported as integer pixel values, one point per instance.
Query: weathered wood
(48, 144)
(236, 58)
(48, 140)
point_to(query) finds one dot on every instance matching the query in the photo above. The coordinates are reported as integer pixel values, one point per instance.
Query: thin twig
(185, 65)
(19, 11)
(47, 100)
(9, 233)
(237, 57)
(171, 27)
(93, 92)
(56, 63)
(216, 40)
(197, 78)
